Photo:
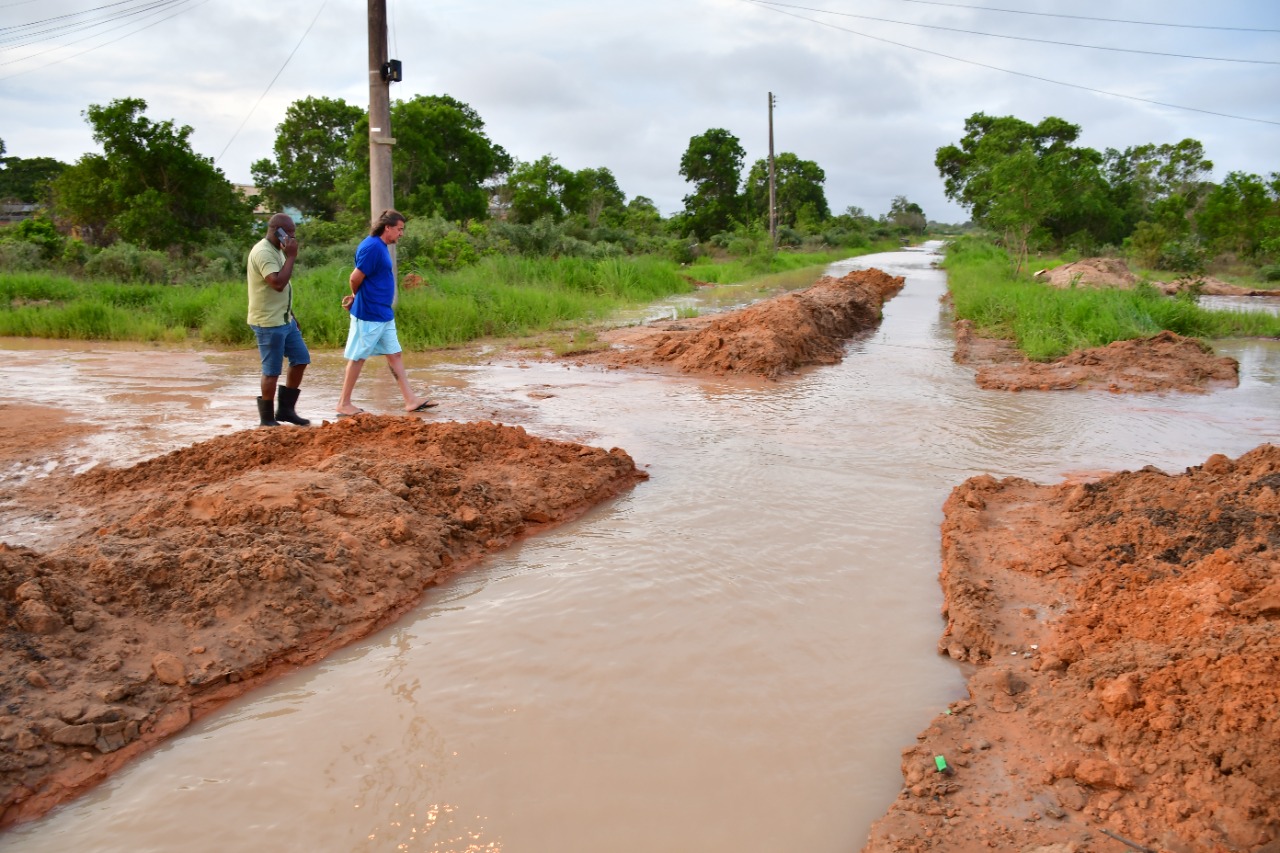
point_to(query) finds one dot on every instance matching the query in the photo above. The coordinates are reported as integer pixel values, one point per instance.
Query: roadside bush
(1271, 272)
(317, 233)
(1182, 256)
(126, 262)
(75, 253)
(39, 232)
(19, 256)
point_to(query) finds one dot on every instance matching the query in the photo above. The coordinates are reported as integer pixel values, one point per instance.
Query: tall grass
(501, 296)
(1046, 322)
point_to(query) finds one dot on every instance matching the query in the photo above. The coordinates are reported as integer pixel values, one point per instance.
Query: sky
(867, 89)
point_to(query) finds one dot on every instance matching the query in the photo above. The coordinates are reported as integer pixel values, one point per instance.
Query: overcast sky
(867, 89)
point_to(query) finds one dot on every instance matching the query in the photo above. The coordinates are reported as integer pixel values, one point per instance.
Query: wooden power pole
(380, 138)
(773, 182)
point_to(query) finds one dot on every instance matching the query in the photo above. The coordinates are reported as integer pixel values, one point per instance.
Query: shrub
(126, 262)
(19, 256)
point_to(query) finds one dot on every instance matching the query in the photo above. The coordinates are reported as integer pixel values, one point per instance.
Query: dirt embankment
(1124, 644)
(1163, 362)
(197, 575)
(771, 338)
(1113, 272)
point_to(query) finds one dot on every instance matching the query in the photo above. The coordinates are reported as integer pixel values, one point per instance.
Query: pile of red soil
(1123, 638)
(1163, 362)
(771, 338)
(189, 578)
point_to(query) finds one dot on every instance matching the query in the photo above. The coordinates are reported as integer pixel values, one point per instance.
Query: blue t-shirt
(378, 290)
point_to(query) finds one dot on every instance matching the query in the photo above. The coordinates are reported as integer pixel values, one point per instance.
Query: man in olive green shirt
(271, 317)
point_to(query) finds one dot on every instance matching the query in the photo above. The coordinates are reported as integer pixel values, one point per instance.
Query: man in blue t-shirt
(373, 318)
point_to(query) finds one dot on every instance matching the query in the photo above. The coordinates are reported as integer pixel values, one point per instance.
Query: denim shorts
(368, 338)
(276, 343)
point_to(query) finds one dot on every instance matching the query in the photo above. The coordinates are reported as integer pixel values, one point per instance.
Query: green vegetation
(498, 296)
(1048, 322)
(1034, 189)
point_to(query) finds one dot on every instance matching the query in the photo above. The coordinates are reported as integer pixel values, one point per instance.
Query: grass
(501, 297)
(1047, 322)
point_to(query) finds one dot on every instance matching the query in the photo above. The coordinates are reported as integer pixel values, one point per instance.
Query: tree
(27, 179)
(642, 216)
(311, 148)
(1160, 183)
(594, 195)
(907, 215)
(1240, 214)
(538, 190)
(713, 164)
(441, 163)
(1020, 179)
(147, 187)
(801, 200)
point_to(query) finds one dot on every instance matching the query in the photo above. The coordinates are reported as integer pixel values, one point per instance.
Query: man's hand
(347, 301)
(290, 246)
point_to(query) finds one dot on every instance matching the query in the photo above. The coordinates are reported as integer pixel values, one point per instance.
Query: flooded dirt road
(731, 656)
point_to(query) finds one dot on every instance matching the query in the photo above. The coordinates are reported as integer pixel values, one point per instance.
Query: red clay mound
(770, 339)
(199, 574)
(1164, 362)
(1124, 637)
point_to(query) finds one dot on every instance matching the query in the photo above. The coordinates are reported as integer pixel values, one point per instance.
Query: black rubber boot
(266, 411)
(288, 398)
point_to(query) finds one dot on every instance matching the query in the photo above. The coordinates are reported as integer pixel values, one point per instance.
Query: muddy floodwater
(730, 657)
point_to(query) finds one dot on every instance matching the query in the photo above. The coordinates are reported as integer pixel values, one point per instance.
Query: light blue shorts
(366, 338)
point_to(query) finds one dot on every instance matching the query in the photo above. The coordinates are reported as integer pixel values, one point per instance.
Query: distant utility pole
(381, 73)
(773, 182)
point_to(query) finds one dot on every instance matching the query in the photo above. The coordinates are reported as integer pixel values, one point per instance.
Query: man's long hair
(387, 217)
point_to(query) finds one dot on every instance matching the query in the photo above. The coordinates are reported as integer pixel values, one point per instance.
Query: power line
(771, 8)
(273, 81)
(1087, 18)
(199, 3)
(62, 17)
(1021, 38)
(79, 26)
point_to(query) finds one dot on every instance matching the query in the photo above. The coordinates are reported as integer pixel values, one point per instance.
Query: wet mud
(772, 338)
(192, 577)
(1123, 642)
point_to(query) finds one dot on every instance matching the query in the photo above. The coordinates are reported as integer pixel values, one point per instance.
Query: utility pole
(380, 138)
(773, 183)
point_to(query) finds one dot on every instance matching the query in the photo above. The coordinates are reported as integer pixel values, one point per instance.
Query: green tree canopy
(27, 179)
(538, 190)
(440, 164)
(1020, 179)
(594, 195)
(312, 147)
(147, 187)
(1241, 214)
(801, 200)
(907, 214)
(713, 164)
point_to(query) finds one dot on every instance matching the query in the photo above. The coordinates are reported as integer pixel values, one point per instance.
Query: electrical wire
(63, 17)
(771, 8)
(80, 26)
(273, 81)
(49, 50)
(1087, 18)
(1021, 38)
(96, 46)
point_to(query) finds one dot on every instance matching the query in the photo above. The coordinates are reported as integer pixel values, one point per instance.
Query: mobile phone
(280, 234)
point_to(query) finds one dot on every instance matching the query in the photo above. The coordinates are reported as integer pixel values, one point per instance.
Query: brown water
(728, 658)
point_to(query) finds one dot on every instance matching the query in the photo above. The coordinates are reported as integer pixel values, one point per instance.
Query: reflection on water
(729, 657)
